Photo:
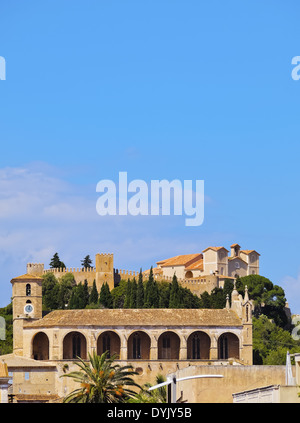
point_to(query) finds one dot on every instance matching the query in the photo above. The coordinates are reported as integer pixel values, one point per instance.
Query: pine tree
(56, 262)
(140, 291)
(86, 262)
(94, 294)
(133, 294)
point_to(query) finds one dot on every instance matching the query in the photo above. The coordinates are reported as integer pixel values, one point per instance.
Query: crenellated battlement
(105, 272)
(72, 270)
(126, 274)
(36, 269)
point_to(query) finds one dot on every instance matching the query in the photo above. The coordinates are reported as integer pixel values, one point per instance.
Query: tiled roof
(237, 257)
(182, 260)
(249, 252)
(197, 265)
(136, 317)
(27, 277)
(215, 249)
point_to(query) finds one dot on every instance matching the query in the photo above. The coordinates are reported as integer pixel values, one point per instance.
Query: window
(223, 353)
(26, 375)
(106, 344)
(136, 346)
(166, 341)
(196, 347)
(76, 346)
(166, 346)
(247, 313)
(28, 290)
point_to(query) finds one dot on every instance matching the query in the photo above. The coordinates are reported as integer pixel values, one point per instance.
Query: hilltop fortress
(199, 272)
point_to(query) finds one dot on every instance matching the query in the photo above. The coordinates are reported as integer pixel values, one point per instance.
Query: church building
(152, 341)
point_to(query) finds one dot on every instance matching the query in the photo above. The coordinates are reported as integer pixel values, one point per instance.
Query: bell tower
(27, 305)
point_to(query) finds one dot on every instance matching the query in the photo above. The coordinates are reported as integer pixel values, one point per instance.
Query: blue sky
(161, 90)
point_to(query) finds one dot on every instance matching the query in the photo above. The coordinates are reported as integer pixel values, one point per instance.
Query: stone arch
(40, 346)
(228, 346)
(138, 346)
(74, 345)
(198, 346)
(168, 346)
(189, 274)
(109, 341)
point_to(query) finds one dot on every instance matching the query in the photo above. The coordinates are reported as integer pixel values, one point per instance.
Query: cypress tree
(149, 290)
(155, 296)
(140, 291)
(94, 294)
(127, 295)
(133, 294)
(175, 294)
(103, 295)
(109, 297)
(79, 290)
(86, 293)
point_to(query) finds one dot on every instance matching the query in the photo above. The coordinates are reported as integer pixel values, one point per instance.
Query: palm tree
(102, 381)
(158, 395)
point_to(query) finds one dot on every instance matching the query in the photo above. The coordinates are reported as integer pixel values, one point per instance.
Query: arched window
(168, 346)
(138, 346)
(28, 290)
(228, 346)
(40, 346)
(198, 346)
(109, 341)
(74, 345)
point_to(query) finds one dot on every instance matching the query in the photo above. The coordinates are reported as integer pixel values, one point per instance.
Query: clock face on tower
(28, 308)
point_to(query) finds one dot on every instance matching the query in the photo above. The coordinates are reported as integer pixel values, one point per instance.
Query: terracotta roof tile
(137, 317)
(182, 260)
(197, 265)
(249, 252)
(27, 277)
(215, 249)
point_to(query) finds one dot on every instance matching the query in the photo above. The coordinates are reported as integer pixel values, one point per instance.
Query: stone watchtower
(27, 305)
(104, 270)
